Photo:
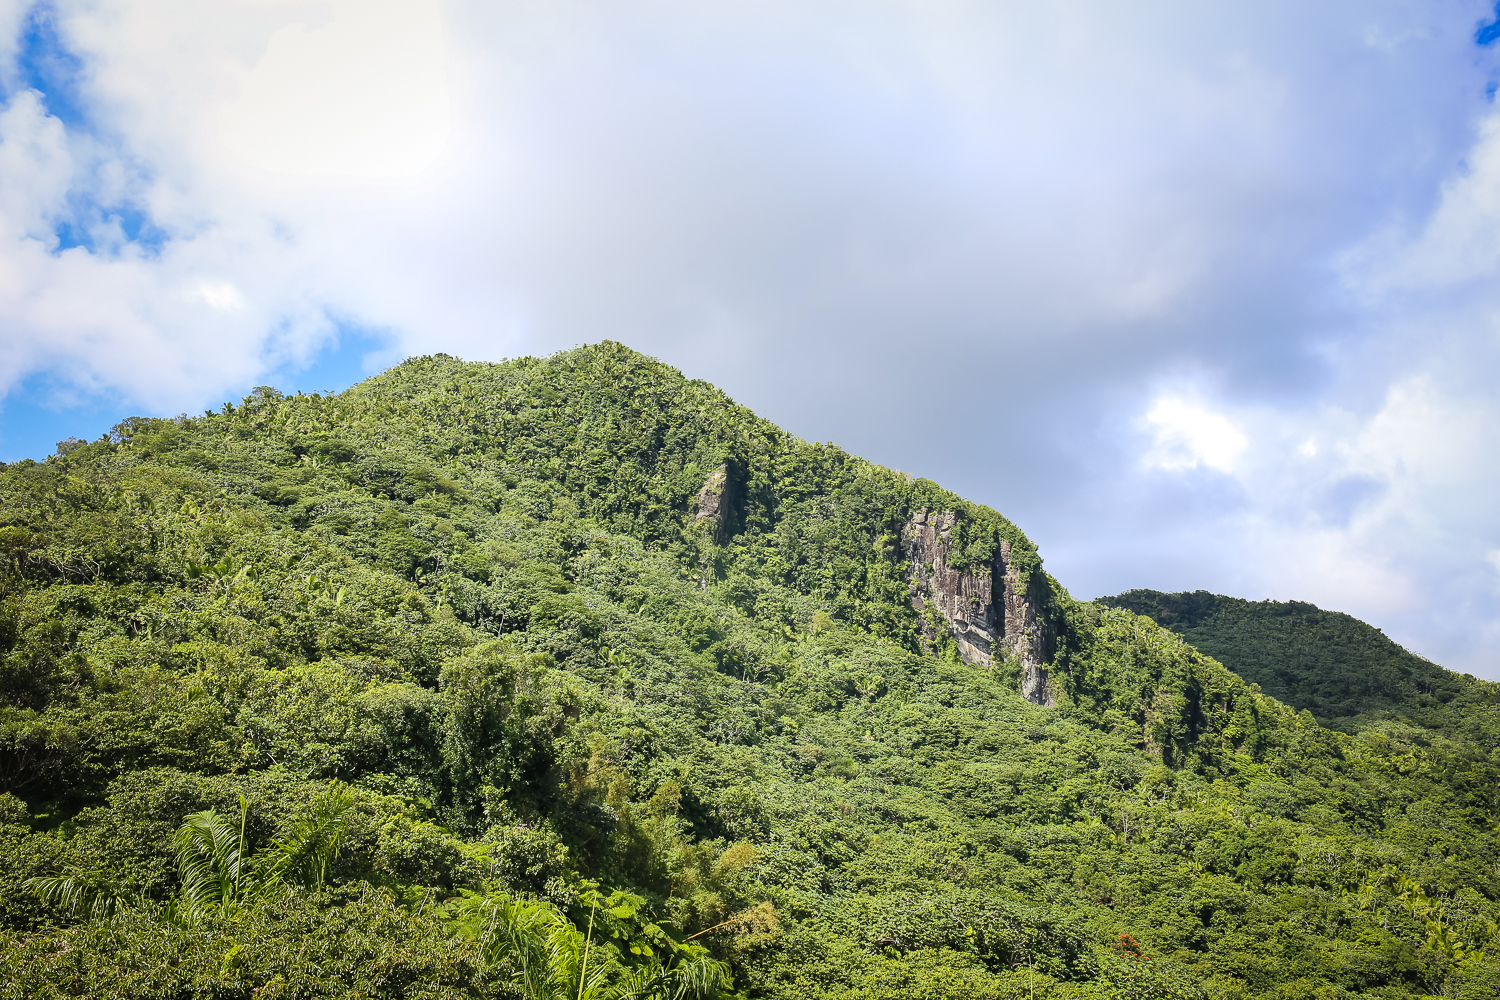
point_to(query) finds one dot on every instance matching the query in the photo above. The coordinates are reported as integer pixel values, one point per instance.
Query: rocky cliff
(990, 612)
(716, 504)
(713, 503)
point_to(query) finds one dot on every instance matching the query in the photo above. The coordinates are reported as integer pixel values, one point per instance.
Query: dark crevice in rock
(992, 614)
(715, 502)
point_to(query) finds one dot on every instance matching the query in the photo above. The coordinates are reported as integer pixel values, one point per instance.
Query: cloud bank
(1200, 297)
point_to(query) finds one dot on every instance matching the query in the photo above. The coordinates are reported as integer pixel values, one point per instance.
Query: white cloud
(466, 175)
(1459, 242)
(1188, 435)
(364, 94)
(1386, 514)
(36, 167)
(219, 294)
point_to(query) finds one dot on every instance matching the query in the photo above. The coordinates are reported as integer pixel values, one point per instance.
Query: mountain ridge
(1328, 662)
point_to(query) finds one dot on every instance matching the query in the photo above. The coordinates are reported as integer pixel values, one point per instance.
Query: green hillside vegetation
(441, 687)
(1337, 667)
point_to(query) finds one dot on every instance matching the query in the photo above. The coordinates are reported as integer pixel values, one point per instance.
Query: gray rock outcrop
(713, 502)
(990, 612)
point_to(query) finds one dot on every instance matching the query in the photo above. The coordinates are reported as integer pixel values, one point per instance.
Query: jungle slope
(1332, 664)
(477, 648)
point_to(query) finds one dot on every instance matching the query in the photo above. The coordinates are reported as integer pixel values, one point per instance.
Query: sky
(1201, 296)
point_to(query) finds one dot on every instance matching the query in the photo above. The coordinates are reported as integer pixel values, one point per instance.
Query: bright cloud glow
(219, 294)
(1189, 435)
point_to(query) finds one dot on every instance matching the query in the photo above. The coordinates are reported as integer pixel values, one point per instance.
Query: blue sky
(42, 409)
(1200, 296)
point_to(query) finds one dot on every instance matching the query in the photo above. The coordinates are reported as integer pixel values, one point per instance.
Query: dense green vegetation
(1345, 672)
(440, 687)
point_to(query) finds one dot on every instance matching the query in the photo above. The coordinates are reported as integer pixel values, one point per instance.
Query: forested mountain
(1329, 663)
(568, 677)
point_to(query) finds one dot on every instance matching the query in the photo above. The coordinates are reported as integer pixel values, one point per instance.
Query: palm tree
(308, 850)
(212, 866)
(215, 873)
(546, 952)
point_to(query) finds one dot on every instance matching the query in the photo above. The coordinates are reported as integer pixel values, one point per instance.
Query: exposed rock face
(990, 613)
(713, 502)
(1027, 636)
(966, 600)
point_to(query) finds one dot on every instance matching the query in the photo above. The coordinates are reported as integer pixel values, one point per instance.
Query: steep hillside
(1329, 663)
(568, 677)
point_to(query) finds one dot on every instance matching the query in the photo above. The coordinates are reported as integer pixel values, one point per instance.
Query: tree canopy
(447, 686)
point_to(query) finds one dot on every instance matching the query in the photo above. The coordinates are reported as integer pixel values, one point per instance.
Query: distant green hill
(1330, 663)
(570, 678)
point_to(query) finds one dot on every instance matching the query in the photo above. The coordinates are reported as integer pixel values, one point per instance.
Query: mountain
(1331, 664)
(569, 677)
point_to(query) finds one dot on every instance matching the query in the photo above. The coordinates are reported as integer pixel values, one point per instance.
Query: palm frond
(641, 983)
(90, 893)
(211, 862)
(696, 978)
(311, 846)
(571, 977)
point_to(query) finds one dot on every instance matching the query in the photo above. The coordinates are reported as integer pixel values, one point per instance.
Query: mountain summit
(569, 677)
